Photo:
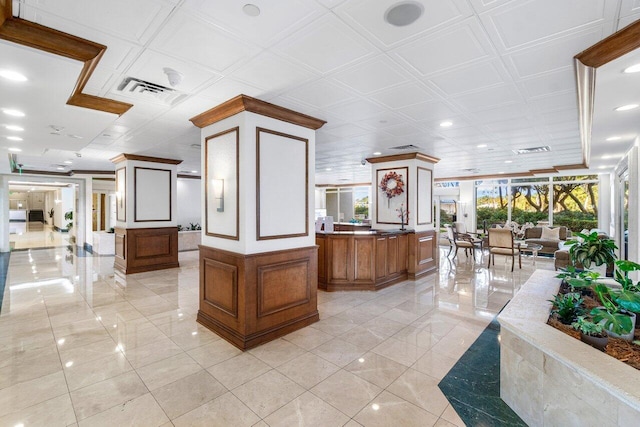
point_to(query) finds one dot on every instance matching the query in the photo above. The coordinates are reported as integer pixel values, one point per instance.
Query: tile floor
(82, 346)
(35, 235)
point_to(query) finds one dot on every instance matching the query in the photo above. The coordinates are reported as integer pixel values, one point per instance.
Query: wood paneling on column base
(251, 299)
(423, 253)
(146, 249)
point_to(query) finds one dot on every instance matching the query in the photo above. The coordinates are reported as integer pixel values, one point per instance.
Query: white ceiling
(501, 71)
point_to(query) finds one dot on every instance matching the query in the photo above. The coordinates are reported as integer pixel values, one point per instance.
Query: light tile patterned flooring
(82, 346)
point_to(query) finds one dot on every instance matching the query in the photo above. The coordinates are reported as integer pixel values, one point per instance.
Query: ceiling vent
(405, 147)
(471, 170)
(533, 150)
(131, 86)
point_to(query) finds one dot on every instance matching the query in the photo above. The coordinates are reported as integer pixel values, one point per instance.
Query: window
(574, 200)
(348, 204)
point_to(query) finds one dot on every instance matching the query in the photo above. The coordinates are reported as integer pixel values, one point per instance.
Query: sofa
(549, 245)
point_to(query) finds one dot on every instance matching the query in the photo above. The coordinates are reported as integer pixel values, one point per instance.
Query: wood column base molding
(252, 299)
(146, 249)
(423, 253)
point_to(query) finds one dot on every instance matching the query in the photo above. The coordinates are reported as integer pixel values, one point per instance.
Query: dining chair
(501, 243)
(461, 240)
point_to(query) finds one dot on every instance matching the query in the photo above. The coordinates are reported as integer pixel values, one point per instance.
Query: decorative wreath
(392, 185)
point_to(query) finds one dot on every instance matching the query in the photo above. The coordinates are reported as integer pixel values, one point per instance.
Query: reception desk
(372, 260)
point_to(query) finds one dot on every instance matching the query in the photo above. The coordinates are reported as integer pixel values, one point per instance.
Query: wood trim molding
(246, 103)
(306, 185)
(208, 178)
(430, 186)
(616, 45)
(378, 199)
(532, 172)
(403, 156)
(43, 38)
(355, 184)
(185, 176)
(121, 205)
(124, 156)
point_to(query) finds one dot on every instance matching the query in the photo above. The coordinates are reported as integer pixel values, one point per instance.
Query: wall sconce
(218, 193)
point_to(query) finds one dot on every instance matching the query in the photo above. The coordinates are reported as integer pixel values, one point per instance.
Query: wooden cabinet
(365, 261)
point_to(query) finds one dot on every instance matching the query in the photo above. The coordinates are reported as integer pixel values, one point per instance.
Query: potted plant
(591, 249)
(591, 333)
(567, 307)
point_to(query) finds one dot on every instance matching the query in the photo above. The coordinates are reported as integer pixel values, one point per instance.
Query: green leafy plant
(180, 227)
(69, 217)
(591, 249)
(51, 213)
(567, 307)
(195, 226)
(587, 327)
(610, 314)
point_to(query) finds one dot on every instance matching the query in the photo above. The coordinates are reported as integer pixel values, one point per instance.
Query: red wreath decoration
(395, 190)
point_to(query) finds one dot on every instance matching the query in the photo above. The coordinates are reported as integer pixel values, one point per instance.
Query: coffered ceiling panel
(191, 39)
(321, 93)
(521, 22)
(488, 98)
(428, 111)
(373, 75)
(326, 45)
(471, 78)
(549, 83)
(141, 20)
(271, 71)
(552, 54)
(402, 96)
(461, 44)
(277, 19)
(365, 16)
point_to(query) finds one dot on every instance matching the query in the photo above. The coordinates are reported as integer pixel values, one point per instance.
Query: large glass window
(575, 203)
(574, 200)
(492, 203)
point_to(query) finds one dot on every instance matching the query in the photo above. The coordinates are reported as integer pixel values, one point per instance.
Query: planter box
(104, 243)
(189, 240)
(549, 378)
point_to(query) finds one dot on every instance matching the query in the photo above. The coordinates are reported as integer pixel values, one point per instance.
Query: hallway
(25, 235)
(80, 344)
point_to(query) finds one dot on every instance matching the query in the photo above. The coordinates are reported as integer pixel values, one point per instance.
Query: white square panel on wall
(282, 183)
(152, 200)
(222, 184)
(425, 200)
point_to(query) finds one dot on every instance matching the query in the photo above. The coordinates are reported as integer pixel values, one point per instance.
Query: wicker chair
(501, 243)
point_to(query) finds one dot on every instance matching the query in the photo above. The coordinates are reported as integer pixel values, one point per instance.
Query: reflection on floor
(24, 235)
(79, 344)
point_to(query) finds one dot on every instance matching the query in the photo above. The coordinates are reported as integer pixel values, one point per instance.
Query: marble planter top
(546, 372)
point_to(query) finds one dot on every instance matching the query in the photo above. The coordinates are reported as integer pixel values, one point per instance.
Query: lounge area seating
(549, 237)
(462, 240)
(501, 243)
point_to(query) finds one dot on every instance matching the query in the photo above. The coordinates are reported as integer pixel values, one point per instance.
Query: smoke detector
(175, 77)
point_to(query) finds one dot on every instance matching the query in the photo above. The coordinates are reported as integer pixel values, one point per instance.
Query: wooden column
(258, 259)
(146, 233)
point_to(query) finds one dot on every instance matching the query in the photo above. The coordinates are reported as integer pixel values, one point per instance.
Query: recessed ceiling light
(11, 112)
(251, 9)
(68, 162)
(604, 167)
(60, 168)
(328, 169)
(500, 173)
(14, 138)
(614, 138)
(15, 150)
(12, 75)
(446, 124)
(194, 171)
(633, 69)
(404, 13)
(377, 153)
(627, 107)
(508, 161)
(14, 127)
(482, 145)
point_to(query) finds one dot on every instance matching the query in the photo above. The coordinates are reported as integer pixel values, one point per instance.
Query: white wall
(189, 199)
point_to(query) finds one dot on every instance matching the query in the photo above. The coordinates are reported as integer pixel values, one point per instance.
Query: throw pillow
(552, 234)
